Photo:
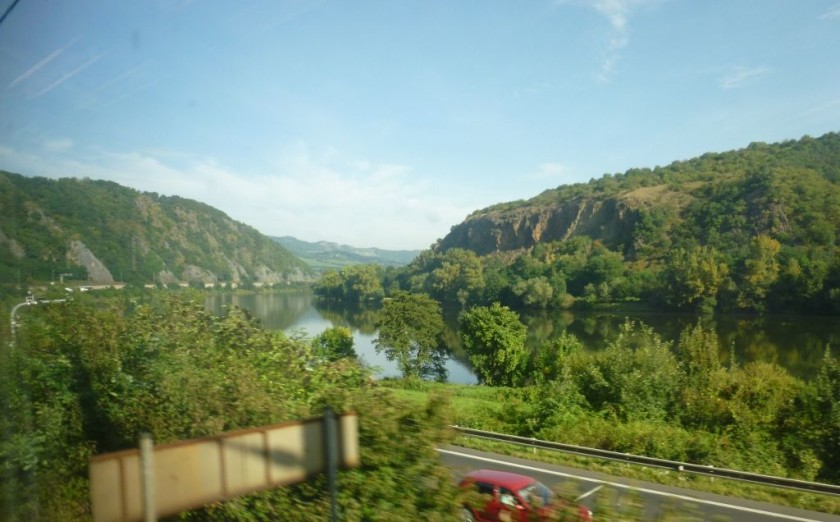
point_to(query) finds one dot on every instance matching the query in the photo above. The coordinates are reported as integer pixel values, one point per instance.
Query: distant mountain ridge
(325, 254)
(102, 232)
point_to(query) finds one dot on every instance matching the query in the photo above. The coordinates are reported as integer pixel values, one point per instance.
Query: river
(796, 343)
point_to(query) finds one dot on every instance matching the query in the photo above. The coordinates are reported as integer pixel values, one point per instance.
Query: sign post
(147, 477)
(166, 479)
(331, 440)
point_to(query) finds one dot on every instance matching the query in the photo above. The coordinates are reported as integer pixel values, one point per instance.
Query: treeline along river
(796, 343)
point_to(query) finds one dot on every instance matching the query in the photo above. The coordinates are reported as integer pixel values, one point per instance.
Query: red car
(512, 497)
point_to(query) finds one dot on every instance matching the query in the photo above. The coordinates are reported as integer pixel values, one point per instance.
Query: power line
(9, 10)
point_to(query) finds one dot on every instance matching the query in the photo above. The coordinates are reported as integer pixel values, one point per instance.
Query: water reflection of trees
(795, 343)
(275, 310)
(360, 316)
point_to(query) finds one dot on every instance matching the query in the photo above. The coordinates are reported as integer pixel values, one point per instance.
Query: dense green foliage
(494, 338)
(682, 401)
(822, 407)
(352, 283)
(334, 343)
(86, 376)
(752, 230)
(139, 237)
(410, 328)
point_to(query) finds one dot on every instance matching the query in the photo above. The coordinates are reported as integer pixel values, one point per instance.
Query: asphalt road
(691, 505)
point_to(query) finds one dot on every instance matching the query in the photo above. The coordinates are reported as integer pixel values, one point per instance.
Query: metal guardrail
(31, 300)
(661, 463)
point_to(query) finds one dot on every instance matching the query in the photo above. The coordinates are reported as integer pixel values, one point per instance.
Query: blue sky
(384, 123)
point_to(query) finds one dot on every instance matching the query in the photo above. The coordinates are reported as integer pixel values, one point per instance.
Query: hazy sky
(384, 123)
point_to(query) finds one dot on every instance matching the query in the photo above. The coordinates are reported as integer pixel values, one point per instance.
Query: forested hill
(789, 191)
(102, 232)
(756, 229)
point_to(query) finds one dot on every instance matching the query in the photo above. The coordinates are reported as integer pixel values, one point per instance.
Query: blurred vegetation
(85, 377)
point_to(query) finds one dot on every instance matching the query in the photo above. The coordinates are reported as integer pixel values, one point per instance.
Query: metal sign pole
(147, 477)
(331, 440)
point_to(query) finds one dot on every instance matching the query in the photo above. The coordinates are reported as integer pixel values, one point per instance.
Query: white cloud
(615, 10)
(534, 89)
(617, 13)
(551, 171)
(35, 68)
(742, 75)
(827, 109)
(309, 195)
(833, 13)
(58, 145)
(66, 76)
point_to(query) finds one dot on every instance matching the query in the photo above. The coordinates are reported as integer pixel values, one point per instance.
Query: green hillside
(756, 229)
(101, 232)
(790, 190)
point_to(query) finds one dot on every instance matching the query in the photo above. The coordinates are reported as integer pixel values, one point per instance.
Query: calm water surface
(796, 343)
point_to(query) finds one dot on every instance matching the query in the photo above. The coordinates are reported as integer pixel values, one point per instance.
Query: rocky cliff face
(79, 254)
(609, 220)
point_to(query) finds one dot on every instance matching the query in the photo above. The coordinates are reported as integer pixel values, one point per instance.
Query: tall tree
(410, 329)
(458, 278)
(334, 343)
(330, 285)
(536, 291)
(494, 338)
(694, 277)
(761, 270)
(362, 282)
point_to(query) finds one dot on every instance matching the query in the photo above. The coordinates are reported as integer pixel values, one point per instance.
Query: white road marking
(624, 486)
(591, 491)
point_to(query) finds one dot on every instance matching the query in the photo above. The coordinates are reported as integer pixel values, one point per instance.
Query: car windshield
(538, 493)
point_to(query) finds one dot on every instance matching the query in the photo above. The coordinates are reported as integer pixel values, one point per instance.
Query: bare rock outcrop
(14, 247)
(193, 273)
(608, 220)
(98, 273)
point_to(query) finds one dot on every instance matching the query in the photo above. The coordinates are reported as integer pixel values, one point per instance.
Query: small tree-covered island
(752, 231)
